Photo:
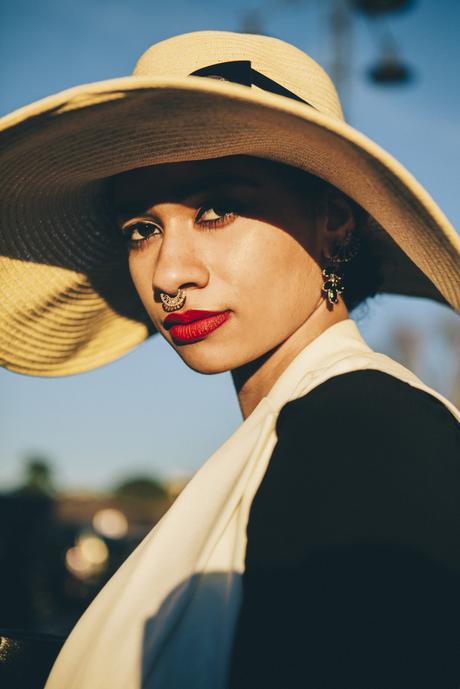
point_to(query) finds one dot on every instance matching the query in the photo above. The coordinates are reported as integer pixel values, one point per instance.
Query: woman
(318, 546)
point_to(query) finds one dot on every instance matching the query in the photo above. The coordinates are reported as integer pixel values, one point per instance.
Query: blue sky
(97, 427)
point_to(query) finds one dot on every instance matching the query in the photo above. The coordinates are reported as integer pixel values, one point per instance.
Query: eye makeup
(137, 233)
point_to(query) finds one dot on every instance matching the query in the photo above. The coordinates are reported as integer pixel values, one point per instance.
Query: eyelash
(209, 225)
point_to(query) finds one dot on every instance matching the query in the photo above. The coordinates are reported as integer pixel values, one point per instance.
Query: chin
(208, 360)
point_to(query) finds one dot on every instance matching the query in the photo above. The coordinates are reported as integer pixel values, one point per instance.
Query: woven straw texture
(67, 301)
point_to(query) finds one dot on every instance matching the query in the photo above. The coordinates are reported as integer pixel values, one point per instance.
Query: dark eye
(215, 214)
(216, 211)
(139, 231)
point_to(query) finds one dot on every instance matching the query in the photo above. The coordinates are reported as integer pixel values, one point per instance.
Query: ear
(336, 220)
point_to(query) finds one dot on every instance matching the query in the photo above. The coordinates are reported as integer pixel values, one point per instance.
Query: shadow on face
(262, 264)
(283, 190)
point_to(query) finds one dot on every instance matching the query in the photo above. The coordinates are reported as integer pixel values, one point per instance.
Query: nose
(178, 264)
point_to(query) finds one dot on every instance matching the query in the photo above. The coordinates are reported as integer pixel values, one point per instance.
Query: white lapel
(167, 616)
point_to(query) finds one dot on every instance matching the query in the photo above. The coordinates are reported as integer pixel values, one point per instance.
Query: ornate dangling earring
(173, 303)
(332, 274)
(332, 283)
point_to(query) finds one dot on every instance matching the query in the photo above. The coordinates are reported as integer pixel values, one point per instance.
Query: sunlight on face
(236, 234)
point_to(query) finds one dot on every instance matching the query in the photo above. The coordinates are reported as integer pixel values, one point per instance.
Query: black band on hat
(241, 72)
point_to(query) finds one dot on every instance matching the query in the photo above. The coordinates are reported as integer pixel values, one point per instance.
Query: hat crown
(281, 62)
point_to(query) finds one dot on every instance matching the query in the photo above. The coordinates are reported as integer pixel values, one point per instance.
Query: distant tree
(140, 487)
(406, 346)
(451, 333)
(37, 476)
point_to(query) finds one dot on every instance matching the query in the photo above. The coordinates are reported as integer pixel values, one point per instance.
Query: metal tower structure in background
(340, 17)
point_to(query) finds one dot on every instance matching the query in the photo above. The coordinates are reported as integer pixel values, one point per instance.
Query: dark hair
(363, 275)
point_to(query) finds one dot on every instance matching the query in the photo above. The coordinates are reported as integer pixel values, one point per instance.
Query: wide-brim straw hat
(67, 303)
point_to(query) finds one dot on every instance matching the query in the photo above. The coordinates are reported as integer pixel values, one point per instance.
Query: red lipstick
(194, 324)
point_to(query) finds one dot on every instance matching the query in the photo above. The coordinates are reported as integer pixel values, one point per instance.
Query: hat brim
(67, 301)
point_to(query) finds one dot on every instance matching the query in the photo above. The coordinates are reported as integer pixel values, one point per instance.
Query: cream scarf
(166, 619)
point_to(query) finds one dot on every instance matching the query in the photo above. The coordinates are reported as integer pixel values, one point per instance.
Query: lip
(188, 317)
(192, 328)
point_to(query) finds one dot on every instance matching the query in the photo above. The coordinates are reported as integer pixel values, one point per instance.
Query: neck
(254, 380)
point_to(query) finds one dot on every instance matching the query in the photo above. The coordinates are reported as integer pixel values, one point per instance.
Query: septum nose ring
(173, 303)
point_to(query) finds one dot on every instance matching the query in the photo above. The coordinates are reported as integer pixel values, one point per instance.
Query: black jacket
(352, 576)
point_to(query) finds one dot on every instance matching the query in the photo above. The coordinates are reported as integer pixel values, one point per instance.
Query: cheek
(273, 273)
(140, 268)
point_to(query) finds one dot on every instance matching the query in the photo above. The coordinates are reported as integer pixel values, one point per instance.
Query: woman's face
(238, 236)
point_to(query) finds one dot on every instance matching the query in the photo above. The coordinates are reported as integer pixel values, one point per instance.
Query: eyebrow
(190, 189)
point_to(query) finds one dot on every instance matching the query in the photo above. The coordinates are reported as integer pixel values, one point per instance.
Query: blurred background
(89, 463)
